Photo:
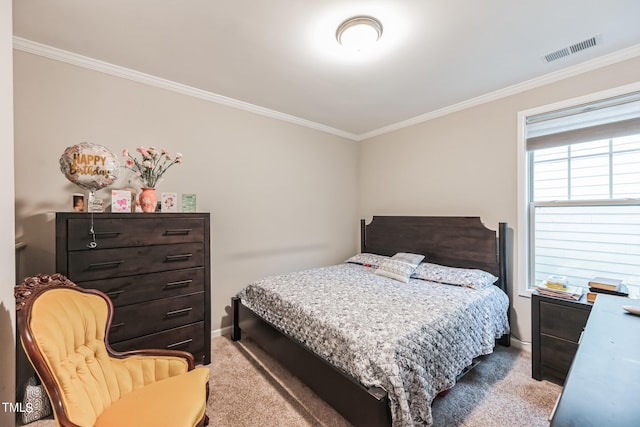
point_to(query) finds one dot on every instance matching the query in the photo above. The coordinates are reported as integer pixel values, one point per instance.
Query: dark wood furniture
(27, 293)
(155, 269)
(556, 325)
(453, 241)
(603, 385)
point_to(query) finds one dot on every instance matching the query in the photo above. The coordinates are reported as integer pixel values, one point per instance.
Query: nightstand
(557, 325)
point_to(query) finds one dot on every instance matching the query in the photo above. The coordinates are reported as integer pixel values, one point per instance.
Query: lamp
(359, 32)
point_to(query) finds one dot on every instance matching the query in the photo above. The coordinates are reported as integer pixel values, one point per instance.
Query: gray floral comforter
(412, 339)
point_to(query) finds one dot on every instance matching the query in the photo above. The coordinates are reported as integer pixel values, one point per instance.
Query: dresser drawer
(109, 263)
(562, 321)
(186, 338)
(115, 233)
(132, 321)
(147, 287)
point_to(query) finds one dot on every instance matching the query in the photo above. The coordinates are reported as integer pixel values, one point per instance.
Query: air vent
(574, 48)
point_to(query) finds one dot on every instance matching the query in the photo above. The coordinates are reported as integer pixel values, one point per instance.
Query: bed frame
(452, 241)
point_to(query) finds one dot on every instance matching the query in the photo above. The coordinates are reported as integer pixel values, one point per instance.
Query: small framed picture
(169, 202)
(120, 201)
(188, 202)
(78, 202)
(95, 204)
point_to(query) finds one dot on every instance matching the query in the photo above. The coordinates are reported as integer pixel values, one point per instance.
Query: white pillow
(400, 266)
(469, 278)
(408, 258)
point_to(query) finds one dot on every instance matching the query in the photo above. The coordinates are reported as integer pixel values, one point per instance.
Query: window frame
(524, 247)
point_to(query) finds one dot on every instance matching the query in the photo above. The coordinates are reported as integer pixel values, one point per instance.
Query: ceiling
(281, 55)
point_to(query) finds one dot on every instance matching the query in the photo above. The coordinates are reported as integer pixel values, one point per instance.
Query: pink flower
(143, 151)
(153, 165)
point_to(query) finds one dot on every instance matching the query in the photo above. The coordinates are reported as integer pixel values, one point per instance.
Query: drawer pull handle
(117, 325)
(179, 312)
(105, 264)
(107, 233)
(114, 294)
(180, 284)
(174, 231)
(180, 343)
(179, 257)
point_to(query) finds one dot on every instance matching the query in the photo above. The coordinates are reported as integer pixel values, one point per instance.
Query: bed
(385, 364)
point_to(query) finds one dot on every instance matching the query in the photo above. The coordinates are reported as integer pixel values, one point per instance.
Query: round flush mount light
(359, 33)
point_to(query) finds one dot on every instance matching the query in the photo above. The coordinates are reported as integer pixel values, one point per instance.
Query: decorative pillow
(366, 259)
(36, 402)
(415, 259)
(470, 278)
(397, 270)
(400, 266)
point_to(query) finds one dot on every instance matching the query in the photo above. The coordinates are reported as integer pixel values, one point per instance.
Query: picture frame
(78, 202)
(169, 202)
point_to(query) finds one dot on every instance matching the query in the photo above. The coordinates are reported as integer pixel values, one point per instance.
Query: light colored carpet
(249, 389)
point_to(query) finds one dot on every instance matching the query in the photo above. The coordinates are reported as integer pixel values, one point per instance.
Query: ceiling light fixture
(359, 32)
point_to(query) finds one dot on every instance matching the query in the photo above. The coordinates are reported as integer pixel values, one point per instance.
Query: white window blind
(584, 194)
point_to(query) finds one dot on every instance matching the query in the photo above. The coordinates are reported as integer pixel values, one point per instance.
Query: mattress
(411, 339)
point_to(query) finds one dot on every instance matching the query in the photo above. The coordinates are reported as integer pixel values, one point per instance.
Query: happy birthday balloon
(90, 166)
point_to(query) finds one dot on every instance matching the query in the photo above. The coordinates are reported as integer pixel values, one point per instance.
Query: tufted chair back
(63, 330)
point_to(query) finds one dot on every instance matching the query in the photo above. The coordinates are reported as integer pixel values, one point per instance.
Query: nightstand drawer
(109, 263)
(562, 321)
(147, 287)
(185, 338)
(158, 316)
(556, 354)
(113, 233)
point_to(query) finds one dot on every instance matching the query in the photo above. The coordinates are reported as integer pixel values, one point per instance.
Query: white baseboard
(526, 346)
(222, 331)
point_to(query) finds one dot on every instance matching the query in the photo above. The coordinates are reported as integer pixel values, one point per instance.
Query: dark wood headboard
(462, 242)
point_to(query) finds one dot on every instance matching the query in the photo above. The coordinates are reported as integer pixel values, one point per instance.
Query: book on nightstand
(603, 285)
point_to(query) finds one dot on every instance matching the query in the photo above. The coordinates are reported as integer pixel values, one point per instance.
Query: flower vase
(148, 199)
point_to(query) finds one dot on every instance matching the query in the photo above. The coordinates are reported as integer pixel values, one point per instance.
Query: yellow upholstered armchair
(63, 329)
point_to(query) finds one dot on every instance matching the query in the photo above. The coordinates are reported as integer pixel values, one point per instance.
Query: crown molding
(600, 62)
(61, 55)
(51, 52)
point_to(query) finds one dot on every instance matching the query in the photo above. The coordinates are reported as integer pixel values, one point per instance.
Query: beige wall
(282, 197)
(465, 164)
(7, 246)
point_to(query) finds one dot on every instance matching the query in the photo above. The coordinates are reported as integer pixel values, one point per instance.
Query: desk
(603, 384)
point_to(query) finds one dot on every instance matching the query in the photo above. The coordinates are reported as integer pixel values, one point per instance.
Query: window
(581, 192)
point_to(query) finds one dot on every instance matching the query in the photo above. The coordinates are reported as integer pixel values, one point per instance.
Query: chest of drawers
(155, 269)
